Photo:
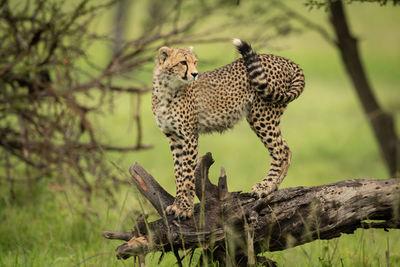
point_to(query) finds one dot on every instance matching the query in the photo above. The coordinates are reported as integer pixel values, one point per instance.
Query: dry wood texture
(234, 226)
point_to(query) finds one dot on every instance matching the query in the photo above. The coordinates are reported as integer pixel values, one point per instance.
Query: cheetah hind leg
(270, 184)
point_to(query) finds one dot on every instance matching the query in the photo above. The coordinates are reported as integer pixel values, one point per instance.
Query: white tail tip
(237, 42)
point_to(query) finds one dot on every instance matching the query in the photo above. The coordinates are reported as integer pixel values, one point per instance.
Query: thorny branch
(52, 88)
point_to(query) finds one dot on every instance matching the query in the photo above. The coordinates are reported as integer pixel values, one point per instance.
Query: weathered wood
(150, 189)
(288, 217)
(223, 192)
(203, 186)
(117, 235)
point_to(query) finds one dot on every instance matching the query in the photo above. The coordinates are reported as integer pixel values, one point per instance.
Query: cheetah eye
(195, 63)
(183, 62)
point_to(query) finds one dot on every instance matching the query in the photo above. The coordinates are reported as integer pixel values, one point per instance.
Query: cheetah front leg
(184, 152)
(265, 121)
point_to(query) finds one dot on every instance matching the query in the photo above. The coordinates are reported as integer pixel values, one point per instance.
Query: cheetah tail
(259, 80)
(253, 64)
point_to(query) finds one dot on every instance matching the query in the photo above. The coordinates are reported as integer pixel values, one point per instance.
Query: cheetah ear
(163, 53)
(191, 48)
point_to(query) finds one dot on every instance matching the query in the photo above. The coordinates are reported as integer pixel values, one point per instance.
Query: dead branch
(288, 217)
(54, 89)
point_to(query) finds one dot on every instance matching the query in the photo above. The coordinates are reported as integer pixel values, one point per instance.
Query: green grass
(325, 128)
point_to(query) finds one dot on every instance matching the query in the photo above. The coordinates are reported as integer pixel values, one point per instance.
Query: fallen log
(235, 227)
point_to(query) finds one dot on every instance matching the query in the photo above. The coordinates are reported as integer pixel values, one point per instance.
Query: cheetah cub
(186, 104)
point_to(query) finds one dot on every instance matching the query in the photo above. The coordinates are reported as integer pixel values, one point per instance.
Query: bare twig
(47, 91)
(308, 24)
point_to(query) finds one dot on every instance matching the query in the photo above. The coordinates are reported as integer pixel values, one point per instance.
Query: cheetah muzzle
(186, 104)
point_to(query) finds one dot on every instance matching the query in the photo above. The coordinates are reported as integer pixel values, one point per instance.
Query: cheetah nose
(194, 74)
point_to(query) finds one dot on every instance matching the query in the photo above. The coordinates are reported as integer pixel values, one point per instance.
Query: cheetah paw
(179, 211)
(260, 191)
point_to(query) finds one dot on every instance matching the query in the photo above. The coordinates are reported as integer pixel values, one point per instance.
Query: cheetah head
(178, 63)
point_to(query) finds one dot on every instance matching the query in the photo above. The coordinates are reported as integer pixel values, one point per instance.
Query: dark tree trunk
(233, 227)
(382, 123)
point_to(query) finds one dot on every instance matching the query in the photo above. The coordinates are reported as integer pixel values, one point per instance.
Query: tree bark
(382, 122)
(233, 227)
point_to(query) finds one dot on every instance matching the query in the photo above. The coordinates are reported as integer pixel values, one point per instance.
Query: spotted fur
(186, 104)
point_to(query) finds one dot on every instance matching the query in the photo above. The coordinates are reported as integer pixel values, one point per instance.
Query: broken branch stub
(288, 217)
(150, 188)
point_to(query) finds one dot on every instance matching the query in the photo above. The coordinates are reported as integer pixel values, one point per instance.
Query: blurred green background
(325, 128)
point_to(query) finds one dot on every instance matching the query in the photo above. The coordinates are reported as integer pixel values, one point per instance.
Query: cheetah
(186, 104)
